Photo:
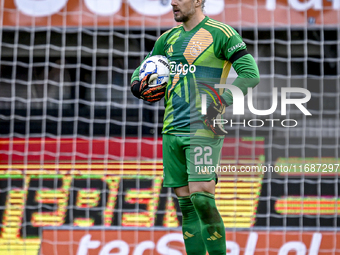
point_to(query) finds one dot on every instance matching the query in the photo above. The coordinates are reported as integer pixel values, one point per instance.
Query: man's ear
(198, 3)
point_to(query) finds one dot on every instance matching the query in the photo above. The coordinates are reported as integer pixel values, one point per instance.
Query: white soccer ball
(156, 64)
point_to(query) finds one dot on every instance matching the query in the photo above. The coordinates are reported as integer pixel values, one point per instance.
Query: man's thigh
(174, 162)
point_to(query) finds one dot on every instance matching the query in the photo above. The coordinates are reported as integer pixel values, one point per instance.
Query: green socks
(212, 226)
(191, 228)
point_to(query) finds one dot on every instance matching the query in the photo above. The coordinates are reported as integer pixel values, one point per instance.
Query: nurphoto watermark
(238, 106)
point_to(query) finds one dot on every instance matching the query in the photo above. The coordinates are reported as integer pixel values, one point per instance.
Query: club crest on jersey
(196, 49)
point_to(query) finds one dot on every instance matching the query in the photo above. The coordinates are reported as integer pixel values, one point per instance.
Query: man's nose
(173, 2)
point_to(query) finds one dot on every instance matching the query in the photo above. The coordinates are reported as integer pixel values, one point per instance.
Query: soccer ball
(156, 64)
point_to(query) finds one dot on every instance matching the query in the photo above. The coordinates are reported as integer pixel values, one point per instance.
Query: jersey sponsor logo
(181, 69)
(239, 45)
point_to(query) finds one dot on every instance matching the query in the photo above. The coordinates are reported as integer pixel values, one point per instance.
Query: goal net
(81, 158)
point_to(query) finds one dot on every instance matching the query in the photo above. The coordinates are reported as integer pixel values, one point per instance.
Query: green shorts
(190, 159)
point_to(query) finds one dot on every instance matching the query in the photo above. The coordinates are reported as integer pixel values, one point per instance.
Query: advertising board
(160, 242)
(148, 13)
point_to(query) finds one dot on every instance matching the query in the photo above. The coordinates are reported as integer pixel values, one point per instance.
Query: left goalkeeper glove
(214, 112)
(142, 90)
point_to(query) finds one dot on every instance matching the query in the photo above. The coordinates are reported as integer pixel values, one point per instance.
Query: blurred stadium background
(80, 158)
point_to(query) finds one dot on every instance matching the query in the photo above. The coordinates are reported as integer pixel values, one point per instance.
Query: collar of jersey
(198, 26)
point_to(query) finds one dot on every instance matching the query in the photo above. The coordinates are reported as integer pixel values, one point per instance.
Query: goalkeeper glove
(142, 90)
(214, 112)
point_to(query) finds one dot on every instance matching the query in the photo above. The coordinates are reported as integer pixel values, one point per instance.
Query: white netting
(79, 152)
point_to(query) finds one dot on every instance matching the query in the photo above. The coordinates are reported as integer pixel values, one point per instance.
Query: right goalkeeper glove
(141, 89)
(215, 112)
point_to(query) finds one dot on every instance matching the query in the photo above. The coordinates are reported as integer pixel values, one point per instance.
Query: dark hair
(203, 3)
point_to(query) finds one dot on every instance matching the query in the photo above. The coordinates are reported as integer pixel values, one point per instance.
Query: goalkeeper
(200, 52)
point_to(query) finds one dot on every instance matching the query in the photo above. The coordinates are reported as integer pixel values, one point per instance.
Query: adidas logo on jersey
(170, 51)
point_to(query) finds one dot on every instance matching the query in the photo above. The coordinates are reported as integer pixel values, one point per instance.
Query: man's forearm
(248, 76)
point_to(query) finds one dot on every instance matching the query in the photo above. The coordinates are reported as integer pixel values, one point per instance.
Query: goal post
(81, 158)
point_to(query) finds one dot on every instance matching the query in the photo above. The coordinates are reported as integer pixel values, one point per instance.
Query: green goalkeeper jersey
(198, 58)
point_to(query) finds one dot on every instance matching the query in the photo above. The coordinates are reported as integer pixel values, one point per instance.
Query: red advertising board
(151, 13)
(77, 150)
(157, 242)
(33, 150)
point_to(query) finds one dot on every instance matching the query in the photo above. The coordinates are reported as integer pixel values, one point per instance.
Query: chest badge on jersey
(196, 49)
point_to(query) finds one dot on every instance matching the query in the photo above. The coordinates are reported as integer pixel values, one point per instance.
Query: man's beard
(185, 17)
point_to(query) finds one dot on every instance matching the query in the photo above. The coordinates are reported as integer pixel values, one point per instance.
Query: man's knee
(208, 186)
(182, 191)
